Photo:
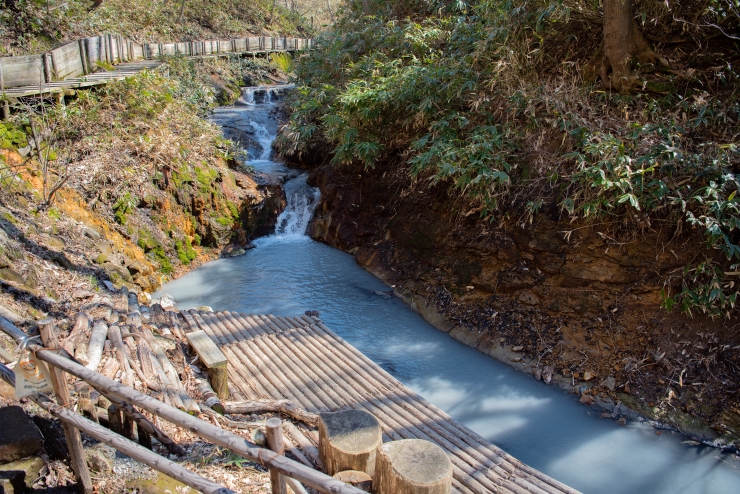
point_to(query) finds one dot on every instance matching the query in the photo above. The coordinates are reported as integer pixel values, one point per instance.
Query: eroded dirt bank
(552, 299)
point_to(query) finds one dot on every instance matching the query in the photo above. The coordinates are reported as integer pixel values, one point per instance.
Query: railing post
(74, 441)
(274, 435)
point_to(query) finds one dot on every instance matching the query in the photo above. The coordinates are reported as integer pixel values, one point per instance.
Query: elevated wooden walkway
(119, 72)
(74, 65)
(300, 359)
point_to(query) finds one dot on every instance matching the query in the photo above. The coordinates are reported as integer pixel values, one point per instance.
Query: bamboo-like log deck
(300, 359)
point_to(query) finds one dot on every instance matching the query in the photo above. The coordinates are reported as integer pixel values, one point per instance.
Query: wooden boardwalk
(119, 72)
(300, 359)
(73, 65)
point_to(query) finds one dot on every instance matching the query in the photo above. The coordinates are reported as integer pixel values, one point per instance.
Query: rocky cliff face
(561, 301)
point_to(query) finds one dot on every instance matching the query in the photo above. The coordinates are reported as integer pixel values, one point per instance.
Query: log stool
(348, 440)
(412, 466)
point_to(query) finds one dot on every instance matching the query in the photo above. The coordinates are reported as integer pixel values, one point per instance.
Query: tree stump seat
(412, 466)
(348, 440)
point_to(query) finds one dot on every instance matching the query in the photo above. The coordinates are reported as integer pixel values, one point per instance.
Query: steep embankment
(567, 308)
(128, 184)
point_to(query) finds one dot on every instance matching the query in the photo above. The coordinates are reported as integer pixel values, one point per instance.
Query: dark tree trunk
(622, 44)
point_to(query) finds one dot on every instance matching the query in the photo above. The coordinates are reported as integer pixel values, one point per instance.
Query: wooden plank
(225, 46)
(168, 49)
(239, 45)
(207, 351)
(213, 359)
(23, 71)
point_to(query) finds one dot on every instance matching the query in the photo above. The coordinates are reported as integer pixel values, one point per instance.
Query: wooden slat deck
(300, 359)
(120, 71)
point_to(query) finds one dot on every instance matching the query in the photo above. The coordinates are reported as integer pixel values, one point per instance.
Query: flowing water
(288, 273)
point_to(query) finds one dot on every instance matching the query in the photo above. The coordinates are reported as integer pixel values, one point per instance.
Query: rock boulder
(19, 436)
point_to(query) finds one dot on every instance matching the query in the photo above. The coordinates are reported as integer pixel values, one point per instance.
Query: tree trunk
(622, 44)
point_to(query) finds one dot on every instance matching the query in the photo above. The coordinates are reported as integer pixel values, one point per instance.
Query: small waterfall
(294, 220)
(252, 123)
(247, 96)
(257, 95)
(263, 137)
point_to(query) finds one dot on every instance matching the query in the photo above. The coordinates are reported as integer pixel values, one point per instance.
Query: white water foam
(247, 95)
(264, 139)
(293, 221)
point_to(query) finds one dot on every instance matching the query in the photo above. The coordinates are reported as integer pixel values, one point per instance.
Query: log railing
(84, 56)
(61, 362)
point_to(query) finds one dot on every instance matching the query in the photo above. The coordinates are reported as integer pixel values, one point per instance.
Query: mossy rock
(117, 273)
(11, 137)
(27, 471)
(32, 280)
(11, 276)
(54, 243)
(161, 483)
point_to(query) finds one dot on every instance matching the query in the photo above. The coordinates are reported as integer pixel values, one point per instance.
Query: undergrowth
(142, 152)
(487, 97)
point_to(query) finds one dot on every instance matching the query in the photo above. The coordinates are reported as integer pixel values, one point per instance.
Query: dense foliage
(487, 97)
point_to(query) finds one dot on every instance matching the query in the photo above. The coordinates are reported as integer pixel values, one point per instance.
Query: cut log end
(361, 480)
(412, 465)
(348, 441)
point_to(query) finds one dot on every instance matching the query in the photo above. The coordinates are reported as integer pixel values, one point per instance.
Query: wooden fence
(282, 469)
(84, 56)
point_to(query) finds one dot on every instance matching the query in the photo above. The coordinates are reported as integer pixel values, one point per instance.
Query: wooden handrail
(239, 445)
(119, 442)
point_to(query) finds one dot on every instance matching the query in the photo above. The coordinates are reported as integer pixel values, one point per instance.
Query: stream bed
(288, 273)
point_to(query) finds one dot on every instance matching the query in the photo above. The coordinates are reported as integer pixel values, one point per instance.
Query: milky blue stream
(288, 273)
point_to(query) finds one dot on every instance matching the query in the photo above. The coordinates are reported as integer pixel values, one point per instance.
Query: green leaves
(651, 170)
(475, 96)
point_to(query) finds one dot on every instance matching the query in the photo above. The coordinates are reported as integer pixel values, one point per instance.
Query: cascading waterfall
(258, 95)
(301, 198)
(293, 221)
(251, 123)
